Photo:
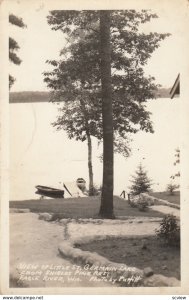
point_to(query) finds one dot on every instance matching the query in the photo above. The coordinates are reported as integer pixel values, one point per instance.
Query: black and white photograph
(94, 165)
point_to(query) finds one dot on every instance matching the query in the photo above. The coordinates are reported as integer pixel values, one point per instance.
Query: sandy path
(166, 210)
(34, 241)
(84, 232)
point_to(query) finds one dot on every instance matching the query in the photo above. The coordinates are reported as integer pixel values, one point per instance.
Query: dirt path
(34, 256)
(86, 232)
(34, 248)
(166, 210)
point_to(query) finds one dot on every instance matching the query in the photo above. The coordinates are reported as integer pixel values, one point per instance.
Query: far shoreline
(44, 96)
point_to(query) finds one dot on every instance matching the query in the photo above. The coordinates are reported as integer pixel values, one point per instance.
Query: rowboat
(49, 191)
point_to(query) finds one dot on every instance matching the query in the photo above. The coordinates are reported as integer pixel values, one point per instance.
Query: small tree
(171, 188)
(140, 183)
(75, 119)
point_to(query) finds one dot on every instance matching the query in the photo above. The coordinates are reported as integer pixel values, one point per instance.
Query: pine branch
(14, 20)
(14, 58)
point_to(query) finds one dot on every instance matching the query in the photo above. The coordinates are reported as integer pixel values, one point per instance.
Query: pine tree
(140, 183)
(13, 45)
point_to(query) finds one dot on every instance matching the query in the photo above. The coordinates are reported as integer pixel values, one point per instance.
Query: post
(129, 197)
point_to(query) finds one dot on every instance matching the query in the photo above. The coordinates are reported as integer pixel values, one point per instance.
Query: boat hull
(49, 192)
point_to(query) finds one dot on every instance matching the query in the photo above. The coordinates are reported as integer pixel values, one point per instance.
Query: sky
(39, 43)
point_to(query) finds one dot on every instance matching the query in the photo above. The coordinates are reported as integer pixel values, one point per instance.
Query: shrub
(133, 200)
(169, 231)
(96, 191)
(139, 201)
(171, 188)
(142, 204)
(150, 199)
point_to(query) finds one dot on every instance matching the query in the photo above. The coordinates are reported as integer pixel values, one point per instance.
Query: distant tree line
(30, 96)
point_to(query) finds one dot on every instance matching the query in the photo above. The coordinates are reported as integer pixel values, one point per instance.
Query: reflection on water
(41, 155)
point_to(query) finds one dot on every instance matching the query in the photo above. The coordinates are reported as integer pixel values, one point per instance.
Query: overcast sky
(39, 43)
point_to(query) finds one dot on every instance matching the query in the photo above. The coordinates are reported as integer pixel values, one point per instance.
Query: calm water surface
(41, 155)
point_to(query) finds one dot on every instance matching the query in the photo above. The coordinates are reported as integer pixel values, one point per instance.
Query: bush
(171, 188)
(96, 191)
(142, 204)
(169, 231)
(139, 201)
(150, 200)
(133, 200)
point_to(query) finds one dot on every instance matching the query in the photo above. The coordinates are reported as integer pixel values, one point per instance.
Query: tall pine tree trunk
(106, 209)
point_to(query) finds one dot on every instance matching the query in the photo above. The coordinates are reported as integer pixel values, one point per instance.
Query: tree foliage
(13, 45)
(176, 162)
(169, 231)
(14, 20)
(78, 70)
(140, 183)
(75, 119)
(172, 186)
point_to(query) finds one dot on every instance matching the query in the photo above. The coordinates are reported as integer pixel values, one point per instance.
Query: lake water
(41, 155)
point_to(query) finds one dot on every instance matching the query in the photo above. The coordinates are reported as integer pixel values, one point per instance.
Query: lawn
(140, 252)
(87, 207)
(175, 198)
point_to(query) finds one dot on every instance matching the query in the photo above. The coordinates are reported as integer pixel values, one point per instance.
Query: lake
(41, 155)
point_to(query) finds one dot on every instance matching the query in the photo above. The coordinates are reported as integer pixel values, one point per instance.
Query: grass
(175, 198)
(87, 207)
(140, 252)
